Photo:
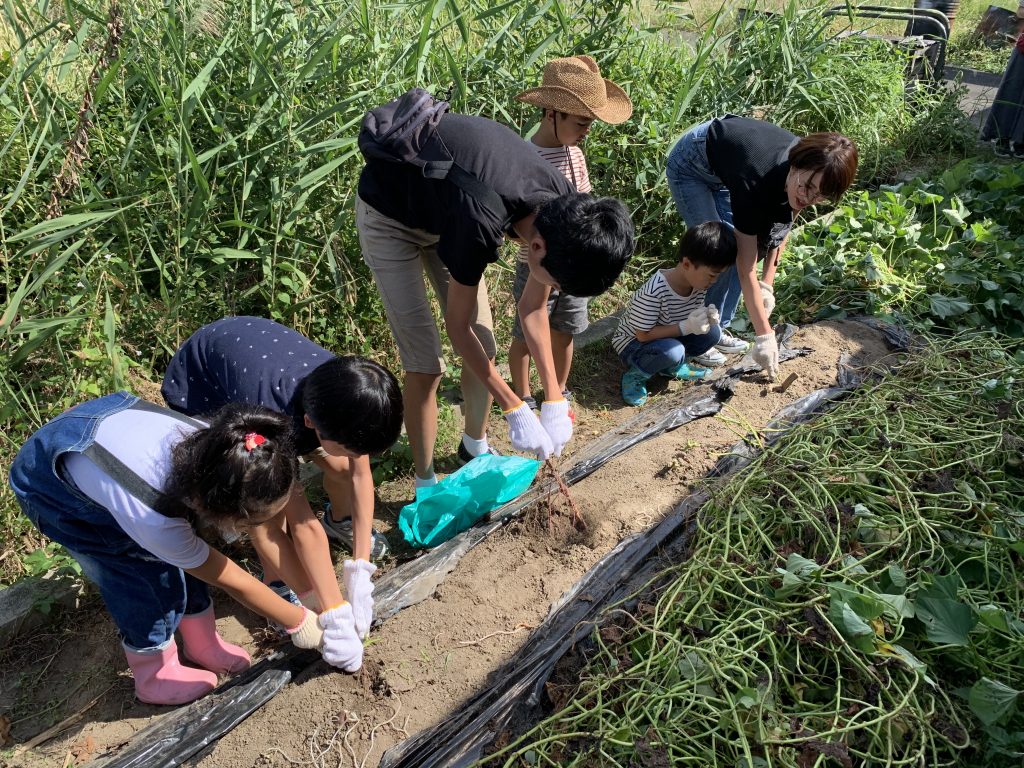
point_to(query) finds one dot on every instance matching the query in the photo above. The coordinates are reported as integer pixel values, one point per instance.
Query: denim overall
(701, 196)
(146, 596)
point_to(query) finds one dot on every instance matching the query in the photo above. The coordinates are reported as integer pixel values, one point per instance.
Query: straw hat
(575, 86)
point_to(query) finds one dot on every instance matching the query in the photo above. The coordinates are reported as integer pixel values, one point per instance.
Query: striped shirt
(572, 164)
(654, 303)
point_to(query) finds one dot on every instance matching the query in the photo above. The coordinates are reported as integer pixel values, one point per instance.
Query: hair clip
(252, 439)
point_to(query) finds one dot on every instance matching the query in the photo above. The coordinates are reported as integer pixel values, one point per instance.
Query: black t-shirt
(470, 233)
(751, 157)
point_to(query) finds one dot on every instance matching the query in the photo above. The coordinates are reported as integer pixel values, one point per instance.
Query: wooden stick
(786, 384)
(64, 724)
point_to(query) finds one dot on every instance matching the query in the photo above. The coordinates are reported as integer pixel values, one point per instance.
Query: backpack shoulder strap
(476, 189)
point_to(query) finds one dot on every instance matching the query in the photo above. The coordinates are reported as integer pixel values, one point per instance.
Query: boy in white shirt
(666, 321)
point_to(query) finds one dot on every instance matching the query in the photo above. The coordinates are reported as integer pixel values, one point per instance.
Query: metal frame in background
(927, 30)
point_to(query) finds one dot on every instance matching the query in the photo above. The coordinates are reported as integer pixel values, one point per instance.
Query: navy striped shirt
(654, 303)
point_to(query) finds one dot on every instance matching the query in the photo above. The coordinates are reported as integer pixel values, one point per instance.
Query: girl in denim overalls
(124, 485)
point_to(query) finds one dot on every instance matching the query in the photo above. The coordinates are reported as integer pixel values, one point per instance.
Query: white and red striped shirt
(572, 164)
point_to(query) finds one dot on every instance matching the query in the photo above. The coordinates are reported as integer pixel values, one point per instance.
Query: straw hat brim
(617, 107)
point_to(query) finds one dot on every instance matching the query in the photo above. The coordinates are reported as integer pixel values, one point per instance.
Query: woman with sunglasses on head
(136, 492)
(754, 176)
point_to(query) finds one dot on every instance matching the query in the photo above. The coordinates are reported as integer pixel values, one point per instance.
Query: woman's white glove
(767, 297)
(342, 646)
(359, 593)
(526, 432)
(554, 417)
(308, 633)
(698, 322)
(766, 354)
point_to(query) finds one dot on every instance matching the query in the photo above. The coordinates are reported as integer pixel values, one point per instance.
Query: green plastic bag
(463, 497)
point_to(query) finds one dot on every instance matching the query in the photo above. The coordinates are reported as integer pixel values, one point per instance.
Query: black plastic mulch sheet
(186, 734)
(461, 738)
(182, 734)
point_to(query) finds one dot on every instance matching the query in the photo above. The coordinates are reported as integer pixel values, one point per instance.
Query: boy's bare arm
(458, 322)
(658, 332)
(533, 318)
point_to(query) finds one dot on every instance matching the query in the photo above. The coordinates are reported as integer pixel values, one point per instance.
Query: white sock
(425, 482)
(474, 446)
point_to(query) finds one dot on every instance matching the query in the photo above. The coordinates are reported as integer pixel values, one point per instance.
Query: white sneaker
(710, 359)
(730, 345)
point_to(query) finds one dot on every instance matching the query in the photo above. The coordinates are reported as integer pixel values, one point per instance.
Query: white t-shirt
(654, 303)
(142, 440)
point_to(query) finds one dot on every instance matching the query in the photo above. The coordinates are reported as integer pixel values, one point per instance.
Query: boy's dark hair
(222, 481)
(354, 401)
(588, 241)
(711, 244)
(832, 154)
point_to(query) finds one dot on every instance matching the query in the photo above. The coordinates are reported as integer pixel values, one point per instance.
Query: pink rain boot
(206, 648)
(161, 679)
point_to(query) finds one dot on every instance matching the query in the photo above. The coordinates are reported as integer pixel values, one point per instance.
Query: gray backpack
(405, 131)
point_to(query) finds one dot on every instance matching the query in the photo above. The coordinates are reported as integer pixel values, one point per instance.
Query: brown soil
(425, 662)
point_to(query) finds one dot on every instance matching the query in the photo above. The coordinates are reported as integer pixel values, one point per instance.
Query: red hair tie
(253, 439)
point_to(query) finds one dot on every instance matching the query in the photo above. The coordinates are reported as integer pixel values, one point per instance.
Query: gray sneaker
(341, 531)
(710, 359)
(730, 345)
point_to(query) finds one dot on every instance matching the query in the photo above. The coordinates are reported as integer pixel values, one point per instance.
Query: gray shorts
(399, 258)
(566, 314)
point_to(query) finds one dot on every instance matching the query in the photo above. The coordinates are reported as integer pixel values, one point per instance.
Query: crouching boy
(666, 322)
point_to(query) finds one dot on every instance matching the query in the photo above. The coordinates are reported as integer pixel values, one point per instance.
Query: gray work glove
(766, 354)
(342, 646)
(359, 593)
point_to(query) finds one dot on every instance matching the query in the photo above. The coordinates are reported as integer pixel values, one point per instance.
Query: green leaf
(954, 217)
(947, 622)
(995, 617)
(948, 306)
(852, 627)
(990, 700)
(899, 606)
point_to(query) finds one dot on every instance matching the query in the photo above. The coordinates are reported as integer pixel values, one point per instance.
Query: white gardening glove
(713, 317)
(359, 593)
(342, 646)
(767, 297)
(308, 633)
(766, 354)
(697, 323)
(526, 432)
(554, 417)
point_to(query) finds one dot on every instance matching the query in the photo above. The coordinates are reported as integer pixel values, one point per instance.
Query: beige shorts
(399, 256)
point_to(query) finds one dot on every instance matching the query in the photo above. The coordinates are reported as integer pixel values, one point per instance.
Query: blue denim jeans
(665, 355)
(701, 196)
(145, 596)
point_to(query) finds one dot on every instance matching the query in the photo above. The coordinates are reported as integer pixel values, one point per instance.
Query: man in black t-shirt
(410, 225)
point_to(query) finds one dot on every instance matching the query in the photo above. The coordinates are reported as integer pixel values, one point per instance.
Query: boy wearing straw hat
(572, 96)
